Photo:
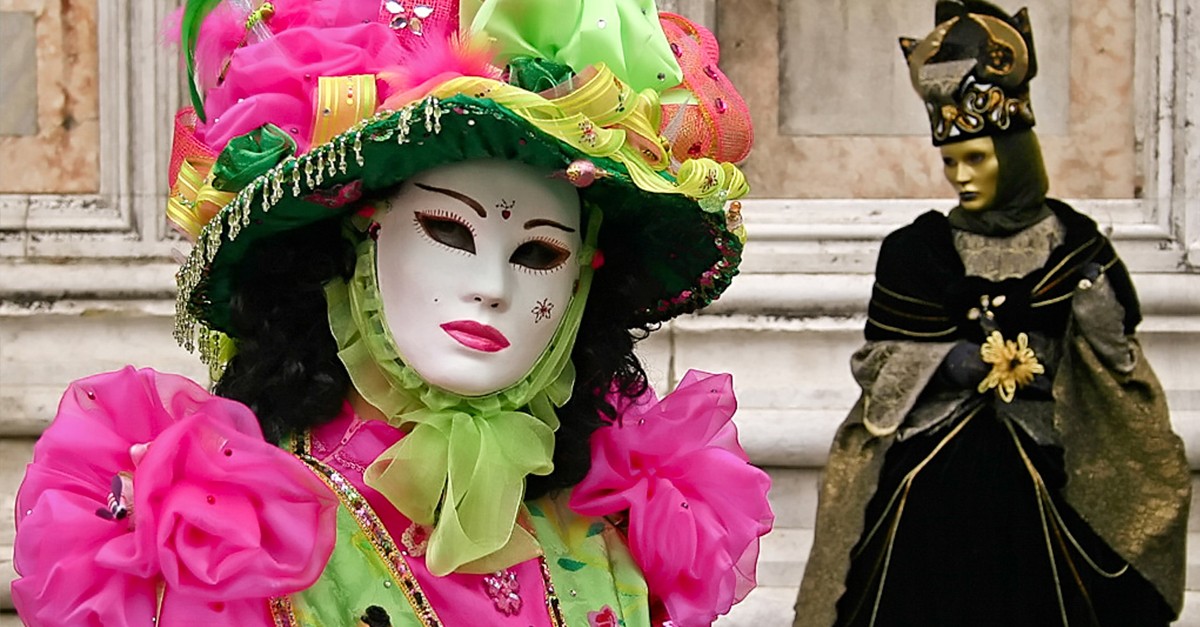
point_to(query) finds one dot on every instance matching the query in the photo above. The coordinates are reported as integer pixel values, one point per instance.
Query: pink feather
(220, 34)
(171, 26)
(224, 30)
(441, 54)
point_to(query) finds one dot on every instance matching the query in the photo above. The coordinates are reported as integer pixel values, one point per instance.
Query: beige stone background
(61, 152)
(86, 271)
(846, 122)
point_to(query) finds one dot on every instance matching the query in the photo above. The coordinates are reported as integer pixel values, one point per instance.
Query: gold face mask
(973, 170)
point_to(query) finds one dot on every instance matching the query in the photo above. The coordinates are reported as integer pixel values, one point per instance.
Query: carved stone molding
(138, 95)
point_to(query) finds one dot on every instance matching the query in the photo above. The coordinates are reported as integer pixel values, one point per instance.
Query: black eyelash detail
(442, 215)
(549, 241)
(448, 215)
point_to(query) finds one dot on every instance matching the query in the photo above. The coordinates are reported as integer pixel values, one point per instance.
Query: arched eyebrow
(463, 198)
(544, 222)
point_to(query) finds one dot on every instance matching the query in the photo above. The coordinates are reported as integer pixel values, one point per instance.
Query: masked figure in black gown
(1011, 460)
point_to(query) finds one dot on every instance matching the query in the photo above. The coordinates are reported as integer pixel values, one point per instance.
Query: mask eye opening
(446, 229)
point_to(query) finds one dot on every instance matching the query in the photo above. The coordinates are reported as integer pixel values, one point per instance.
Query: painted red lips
(477, 336)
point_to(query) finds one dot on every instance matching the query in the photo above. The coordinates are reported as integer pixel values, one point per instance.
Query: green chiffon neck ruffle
(461, 469)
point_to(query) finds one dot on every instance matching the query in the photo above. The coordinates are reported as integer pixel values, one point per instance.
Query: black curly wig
(288, 372)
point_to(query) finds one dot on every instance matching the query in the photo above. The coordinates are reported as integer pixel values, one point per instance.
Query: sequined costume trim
(392, 555)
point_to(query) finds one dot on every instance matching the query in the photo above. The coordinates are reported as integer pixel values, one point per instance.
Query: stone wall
(86, 277)
(50, 123)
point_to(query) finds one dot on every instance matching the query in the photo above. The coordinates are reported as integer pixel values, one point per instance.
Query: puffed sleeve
(696, 506)
(150, 501)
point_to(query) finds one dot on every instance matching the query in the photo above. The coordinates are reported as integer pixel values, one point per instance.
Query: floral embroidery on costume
(606, 617)
(415, 538)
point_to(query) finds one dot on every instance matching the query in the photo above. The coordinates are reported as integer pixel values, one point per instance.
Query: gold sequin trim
(283, 613)
(394, 558)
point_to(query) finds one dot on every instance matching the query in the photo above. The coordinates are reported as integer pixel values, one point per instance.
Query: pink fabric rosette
(697, 508)
(218, 519)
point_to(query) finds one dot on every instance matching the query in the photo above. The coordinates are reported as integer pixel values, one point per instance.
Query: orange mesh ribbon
(710, 119)
(190, 206)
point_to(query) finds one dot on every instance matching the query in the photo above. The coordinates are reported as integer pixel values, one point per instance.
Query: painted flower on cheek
(543, 310)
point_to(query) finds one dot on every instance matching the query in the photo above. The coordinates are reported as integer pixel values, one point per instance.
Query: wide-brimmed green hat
(600, 134)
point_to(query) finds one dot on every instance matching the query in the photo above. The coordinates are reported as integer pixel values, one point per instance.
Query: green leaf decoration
(570, 564)
(534, 510)
(596, 529)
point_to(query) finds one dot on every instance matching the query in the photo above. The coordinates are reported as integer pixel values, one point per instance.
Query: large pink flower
(218, 519)
(696, 506)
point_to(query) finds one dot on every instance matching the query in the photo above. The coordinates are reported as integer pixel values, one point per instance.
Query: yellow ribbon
(604, 118)
(194, 201)
(342, 102)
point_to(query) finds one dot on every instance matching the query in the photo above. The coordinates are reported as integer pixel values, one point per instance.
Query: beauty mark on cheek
(542, 310)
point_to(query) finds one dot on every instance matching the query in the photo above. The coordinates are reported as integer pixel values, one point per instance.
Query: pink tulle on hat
(224, 29)
(697, 508)
(249, 82)
(276, 81)
(90, 553)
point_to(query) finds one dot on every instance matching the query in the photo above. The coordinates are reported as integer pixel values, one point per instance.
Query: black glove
(1090, 272)
(963, 368)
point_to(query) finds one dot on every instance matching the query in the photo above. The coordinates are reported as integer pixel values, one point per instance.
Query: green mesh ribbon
(625, 35)
(536, 75)
(461, 469)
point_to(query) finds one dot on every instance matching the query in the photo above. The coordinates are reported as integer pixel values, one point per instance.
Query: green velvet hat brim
(685, 256)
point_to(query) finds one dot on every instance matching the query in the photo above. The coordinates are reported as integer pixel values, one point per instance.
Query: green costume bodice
(586, 570)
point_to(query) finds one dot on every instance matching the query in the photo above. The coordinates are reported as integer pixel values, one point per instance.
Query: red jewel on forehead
(505, 206)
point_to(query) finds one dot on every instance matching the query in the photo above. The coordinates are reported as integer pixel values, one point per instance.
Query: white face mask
(477, 262)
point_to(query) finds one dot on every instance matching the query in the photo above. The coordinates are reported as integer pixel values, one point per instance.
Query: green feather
(194, 12)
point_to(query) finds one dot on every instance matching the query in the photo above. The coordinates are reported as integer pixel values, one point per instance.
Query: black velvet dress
(968, 525)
